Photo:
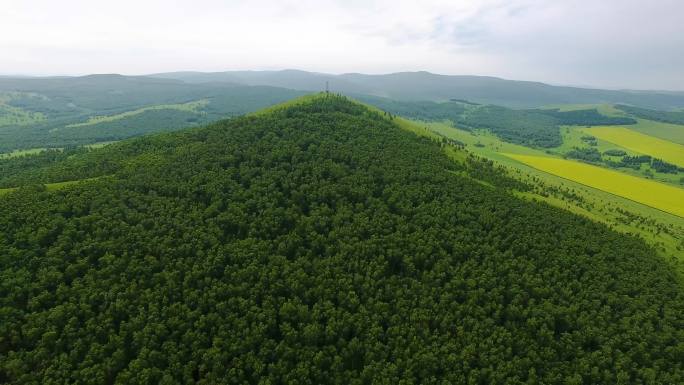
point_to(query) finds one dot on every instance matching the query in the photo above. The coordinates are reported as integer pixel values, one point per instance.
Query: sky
(596, 43)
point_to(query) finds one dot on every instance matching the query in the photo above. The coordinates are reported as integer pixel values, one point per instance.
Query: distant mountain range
(428, 86)
(402, 86)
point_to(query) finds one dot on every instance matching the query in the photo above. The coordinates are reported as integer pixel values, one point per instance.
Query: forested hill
(319, 243)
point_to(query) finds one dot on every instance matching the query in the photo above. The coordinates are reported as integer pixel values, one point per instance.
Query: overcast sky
(601, 43)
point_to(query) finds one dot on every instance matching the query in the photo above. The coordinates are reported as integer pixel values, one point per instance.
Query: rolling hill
(57, 112)
(317, 242)
(428, 86)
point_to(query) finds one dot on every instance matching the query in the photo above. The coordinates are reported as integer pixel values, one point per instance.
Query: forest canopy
(318, 243)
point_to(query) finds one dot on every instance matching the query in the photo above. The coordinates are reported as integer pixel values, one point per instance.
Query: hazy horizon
(584, 86)
(613, 44)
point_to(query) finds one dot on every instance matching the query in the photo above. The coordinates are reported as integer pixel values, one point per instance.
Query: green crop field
(61, 185)
(661, 196)
(636, 141)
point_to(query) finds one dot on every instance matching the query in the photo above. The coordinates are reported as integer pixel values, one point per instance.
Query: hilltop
(318, 242)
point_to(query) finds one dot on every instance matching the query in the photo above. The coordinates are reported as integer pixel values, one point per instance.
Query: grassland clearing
(100, 144)
(4, 191)
(51, 186)
(15, 116)
(572, 138)
(15, 153)
(33, 151)
(194, 106)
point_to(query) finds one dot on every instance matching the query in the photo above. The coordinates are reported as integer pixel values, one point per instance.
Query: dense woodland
(516, 126)
(143, 123)
(419, 110)
(318, 244)
(61, 165)
(590, 154)
(588, 117)
(675, 117)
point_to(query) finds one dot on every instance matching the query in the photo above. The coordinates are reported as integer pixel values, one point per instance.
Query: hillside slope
(125, 106)
(319, 243)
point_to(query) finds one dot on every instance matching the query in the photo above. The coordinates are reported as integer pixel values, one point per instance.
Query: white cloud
(613, 43)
